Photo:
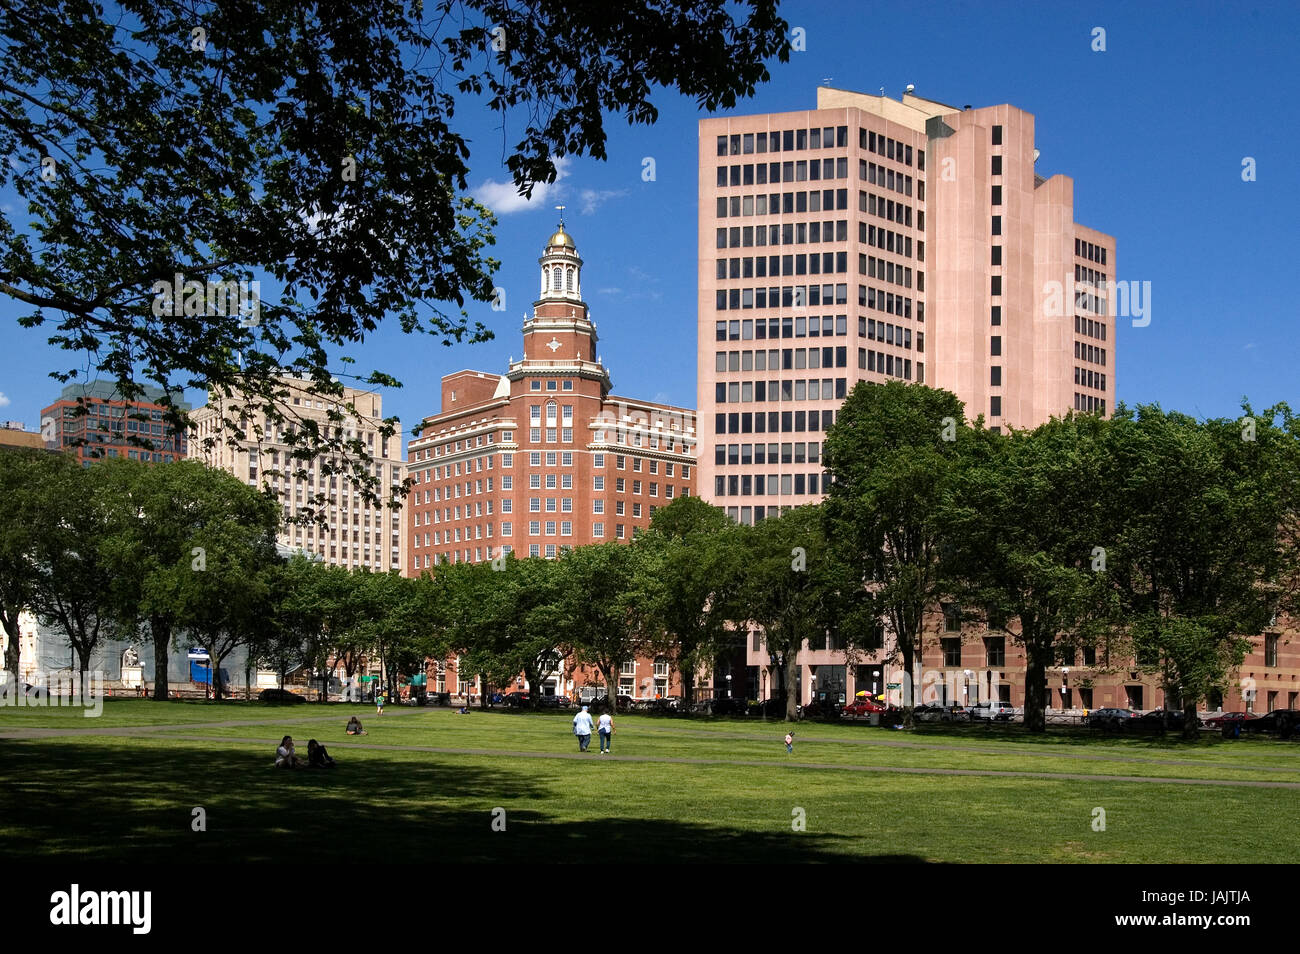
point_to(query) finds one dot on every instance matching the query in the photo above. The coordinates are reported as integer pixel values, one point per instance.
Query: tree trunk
(162, 644)
(792, 689)
(611, 689)
(248, 676)
(485, 693)
(1035, 685)
(1191, 730)
(908, 650)
(83, 659)
(12, 647)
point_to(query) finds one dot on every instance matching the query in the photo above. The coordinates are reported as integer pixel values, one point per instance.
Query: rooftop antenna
(826, 80)
(882, 91)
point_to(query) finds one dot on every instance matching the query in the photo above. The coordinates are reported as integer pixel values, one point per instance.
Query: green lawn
(422, 785)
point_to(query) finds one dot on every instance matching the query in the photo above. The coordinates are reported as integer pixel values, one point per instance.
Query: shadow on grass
(76, 801)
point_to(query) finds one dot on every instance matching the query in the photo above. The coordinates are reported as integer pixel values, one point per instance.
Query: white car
(992, 711)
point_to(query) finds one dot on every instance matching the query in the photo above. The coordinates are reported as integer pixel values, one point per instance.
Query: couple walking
(582, 725)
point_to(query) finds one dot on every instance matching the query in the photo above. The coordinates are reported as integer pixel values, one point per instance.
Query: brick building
(93, 421)
(544, 457)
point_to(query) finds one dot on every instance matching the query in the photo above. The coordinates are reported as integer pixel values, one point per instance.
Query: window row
(1090, 275)
(894, 366)
(742, 455)
(887, 302)
(763, 173)
(1087, 378)
(770, 485)
(788, 140)
(882, 145)
(775, 266)
(776, 422)
(780, 203)
(893, 181)
(787, 296)
(895, 242)
(1090, 353)
(1093, 253)
(784, 359)
(793, 233)
(801, 389)
(890, 334)
(899, 212)
(888, 271)
(1086, 326)
(536, 385)
(552, 409)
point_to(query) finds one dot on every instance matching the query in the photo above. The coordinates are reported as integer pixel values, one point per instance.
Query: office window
(1270, 649)
(995, 651)
(997, 165)
(951, 651)
(995, 406)
(995, 375)
(997, 135)
(995, 345)
(997, 195)
(997, 225)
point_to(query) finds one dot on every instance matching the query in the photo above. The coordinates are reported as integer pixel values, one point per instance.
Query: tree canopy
(169, 150)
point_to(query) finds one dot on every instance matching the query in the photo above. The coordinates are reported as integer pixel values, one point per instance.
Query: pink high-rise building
(872, 239)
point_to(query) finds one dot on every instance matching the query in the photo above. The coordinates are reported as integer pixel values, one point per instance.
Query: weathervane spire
(561, 210)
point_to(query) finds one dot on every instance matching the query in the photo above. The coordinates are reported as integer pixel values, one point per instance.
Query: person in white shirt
(606, 731)
(582, 729)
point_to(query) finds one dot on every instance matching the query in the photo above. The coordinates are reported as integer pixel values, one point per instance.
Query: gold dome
(560, 238)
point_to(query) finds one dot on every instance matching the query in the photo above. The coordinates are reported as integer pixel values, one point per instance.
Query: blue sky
(1153, 130)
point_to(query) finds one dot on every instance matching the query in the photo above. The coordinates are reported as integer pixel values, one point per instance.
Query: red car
(861, 707)
(1228, 718)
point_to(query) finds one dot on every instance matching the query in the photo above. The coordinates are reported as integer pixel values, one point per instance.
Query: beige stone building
(355, 533)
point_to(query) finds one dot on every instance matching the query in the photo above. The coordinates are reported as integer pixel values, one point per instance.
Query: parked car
(1282, 722)
(1114, 720)
(279, 695)
(861, 707)
(1228, 719)
(554, 702)
(1155, 720)
(941, 713)
(993, 711)
(516, 700)
(725, 706)
(440, 698)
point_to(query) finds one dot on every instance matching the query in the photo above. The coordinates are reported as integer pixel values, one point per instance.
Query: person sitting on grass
(354, 727)
(317, 757)
(285, 757)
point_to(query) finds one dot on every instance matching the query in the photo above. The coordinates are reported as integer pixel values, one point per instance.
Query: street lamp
(728, 685)
(875, 681)
(965, 690)
(1065, 681)
(812, 688)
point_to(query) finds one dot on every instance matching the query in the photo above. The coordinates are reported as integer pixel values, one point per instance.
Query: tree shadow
(133, 802)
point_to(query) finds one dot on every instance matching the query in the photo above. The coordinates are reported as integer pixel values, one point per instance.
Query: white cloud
(504, 198)
(4, 399)
(593, 199)
(615, 290)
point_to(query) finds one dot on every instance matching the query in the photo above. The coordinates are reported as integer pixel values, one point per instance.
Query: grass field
(424, 783)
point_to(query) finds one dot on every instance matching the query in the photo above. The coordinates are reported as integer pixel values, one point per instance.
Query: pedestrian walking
(582, 729)
(606, 730)
(789, 741)
(379, 704)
